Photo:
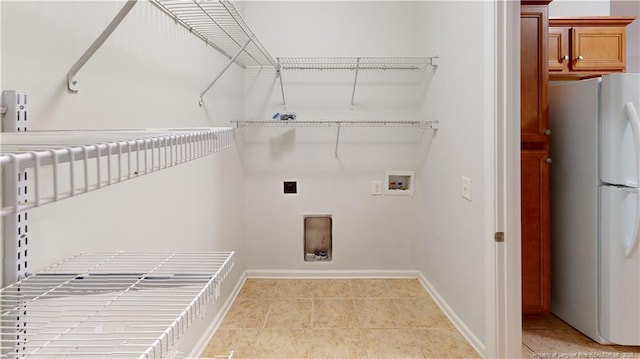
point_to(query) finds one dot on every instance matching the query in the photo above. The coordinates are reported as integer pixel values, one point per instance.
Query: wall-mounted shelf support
(72, 83)
(233, 59)
(279, 74)
(355, 81)
(335, 151)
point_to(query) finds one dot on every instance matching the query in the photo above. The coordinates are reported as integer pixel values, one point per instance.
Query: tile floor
(378, 318)
(549, 337)
(337, 318)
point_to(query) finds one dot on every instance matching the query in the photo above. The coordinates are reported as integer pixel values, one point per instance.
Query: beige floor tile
(628, 352)
(527, 353)
(289, 313)
(332, 288)
(443, 343)
(338, 324)
(258, 289)
(246, 313)
(376, 313)
(391, 343)
(401, 288)
(294, 289)
(337, 344)
(241, 341)
(375, 288)
(283, 343)
(420, 313)
(334, 313)
(557, 342)
(544, 322)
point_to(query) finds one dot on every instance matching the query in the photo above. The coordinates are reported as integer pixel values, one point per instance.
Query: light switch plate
(376, 188)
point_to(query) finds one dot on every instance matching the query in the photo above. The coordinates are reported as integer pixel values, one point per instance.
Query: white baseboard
(329, 274)
(466, 332)
(201, 345)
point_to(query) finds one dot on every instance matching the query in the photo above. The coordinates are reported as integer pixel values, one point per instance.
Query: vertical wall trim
(504, 322)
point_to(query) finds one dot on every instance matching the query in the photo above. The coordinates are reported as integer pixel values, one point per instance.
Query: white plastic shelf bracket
(72, 82)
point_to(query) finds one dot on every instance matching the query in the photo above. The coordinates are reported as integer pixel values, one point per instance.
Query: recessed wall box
(399, 183)
(318, 238)
(290, 187)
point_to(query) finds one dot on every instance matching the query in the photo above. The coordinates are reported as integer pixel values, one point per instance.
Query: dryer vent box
(318, 238)
(399, 183)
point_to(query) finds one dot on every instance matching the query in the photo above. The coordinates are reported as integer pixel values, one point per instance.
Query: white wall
(630, 8)
(436, 232)
(562, 8)
(149, 73)
(450, 252)
(370, 232)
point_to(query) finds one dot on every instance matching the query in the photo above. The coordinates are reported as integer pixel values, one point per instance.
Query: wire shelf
(343, 123)
(68, 163)
(219, 23)
(353, 63)
(116, 305)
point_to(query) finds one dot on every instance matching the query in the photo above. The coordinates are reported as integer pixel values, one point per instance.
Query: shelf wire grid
(336, 123)
(353, 63)
(68, 163)
(110, 305)
(220, 24)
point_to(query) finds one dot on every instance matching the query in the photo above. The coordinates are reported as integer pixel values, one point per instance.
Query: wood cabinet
(536, 258)
(587, 46)
(536, 283)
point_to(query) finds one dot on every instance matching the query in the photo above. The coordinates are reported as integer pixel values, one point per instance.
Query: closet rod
(72, 83)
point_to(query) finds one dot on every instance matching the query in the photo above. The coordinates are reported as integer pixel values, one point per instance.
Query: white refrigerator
(595, 206)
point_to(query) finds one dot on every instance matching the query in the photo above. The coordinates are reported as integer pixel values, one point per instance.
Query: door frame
(503, 259)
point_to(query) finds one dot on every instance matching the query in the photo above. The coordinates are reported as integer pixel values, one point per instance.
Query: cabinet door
(598, 48)
(534, 74)
(559, 49)
(536, 261)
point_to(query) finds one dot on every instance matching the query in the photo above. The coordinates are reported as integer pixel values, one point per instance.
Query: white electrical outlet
(376, 188)
(466, 188)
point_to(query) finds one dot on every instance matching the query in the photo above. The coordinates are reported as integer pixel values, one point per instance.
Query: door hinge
(499, 236)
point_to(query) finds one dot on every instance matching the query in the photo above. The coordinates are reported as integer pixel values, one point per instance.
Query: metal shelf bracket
(233, 59)
(279, 74)
(72, 82)
(355, 81)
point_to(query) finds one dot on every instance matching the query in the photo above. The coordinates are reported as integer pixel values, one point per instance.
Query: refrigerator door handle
(634, 121)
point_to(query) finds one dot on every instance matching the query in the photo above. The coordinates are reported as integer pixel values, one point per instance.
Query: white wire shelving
(219, 24)
(356, 63)
(420, 126)
(110, 305)
(336, 123)
(64, 164)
